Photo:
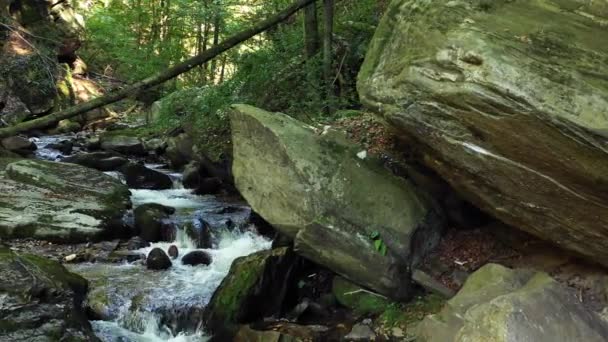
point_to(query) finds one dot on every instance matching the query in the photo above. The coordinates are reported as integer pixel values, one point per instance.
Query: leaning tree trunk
(159, 78)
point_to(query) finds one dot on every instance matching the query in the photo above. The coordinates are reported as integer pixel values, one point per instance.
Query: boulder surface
(499, 304)
(343, 211)
(59, 202)
(41, 301)
(511, 112)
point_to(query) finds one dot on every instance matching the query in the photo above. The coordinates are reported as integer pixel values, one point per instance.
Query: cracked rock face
(507, 100)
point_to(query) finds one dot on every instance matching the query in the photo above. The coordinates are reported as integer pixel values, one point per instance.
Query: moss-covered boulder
(507, 101)
(343, 210)
(360, 300)
(501, 304)
(255, 287)
(59, 202)
(41, 301)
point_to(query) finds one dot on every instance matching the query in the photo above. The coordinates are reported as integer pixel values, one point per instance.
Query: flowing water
(140, 305)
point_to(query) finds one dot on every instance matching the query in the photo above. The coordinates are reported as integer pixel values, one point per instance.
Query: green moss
(406, 314)
(357, 298)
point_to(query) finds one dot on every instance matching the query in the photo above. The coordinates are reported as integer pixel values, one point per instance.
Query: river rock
(158, 260)
(209, 186)
(137, 242)
(150, 219)
(343, 211)
(102, 161)
(196, 258)
(256, 286)
(500, 304)
(179, 150)
(60, 202)
(63, 146)
(41, 301)
(19, 145)
(511, 113)
(123, 144)
(199, 230)
(192, 175)
(173, 252)
(138, 176)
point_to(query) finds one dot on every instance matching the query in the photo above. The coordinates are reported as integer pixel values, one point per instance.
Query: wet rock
(93, 143)
(123, 144)
(155, 146)
(196, 258)
(500, 304)
(173, 251)
(200, 231)
(192, 176)
(102, 161)
(343, 212)
(158, 260)
(209, 186)
(19, 145)
(150, 219)
(41, 300)
(64, 146)
(139, 176)
(67, 126)
(179, 150)
(282, 332)
(255, 287)
(521, 135)
(60, 202)
(137, 242)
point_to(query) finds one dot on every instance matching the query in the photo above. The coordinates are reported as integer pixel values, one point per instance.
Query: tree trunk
(311, 31)
(159, 78)
(328, 8)
(217, 21)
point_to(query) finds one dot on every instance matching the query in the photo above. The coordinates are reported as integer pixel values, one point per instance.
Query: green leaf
(383, 249)
(378, 244)
(301, 284)
(374, 235)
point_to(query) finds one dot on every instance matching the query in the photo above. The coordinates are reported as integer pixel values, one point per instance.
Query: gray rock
(41, 301)
(102, 161)
(150, 219)
(500, 108)
(59, 201)
(361, 332)
(123, 144)
(343, 212)
(138, 176)
(179, 150)
(500, 304)
(17, 144)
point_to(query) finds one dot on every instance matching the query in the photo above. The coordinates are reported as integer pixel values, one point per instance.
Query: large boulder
(344, 211)
(20, 145)
(57, 201)
(256, 286)
(499, 304)
(158, 260)
(41, 301)
(507, 101)
(179, 150)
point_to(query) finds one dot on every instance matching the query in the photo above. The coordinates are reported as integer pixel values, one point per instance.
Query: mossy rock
(255, 287)
(45, 300)
(360, 300)
(492, 94)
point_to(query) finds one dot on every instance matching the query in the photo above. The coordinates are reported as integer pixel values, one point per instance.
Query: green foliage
(379, 244)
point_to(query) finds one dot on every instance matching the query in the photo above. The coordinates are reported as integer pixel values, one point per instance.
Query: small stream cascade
(142, 305)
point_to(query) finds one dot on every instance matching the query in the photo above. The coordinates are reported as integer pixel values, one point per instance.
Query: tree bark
(159, 78)
(328, 8)
(311, 31)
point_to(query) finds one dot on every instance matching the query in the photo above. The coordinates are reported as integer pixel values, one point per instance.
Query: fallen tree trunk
(159, 78)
